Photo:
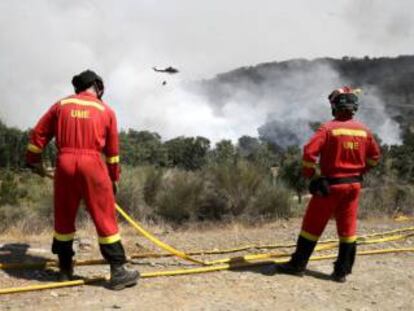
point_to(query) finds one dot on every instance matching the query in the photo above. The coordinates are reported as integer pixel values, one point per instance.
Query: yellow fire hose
(360, 239)
(222, 267)
(223, 264)
(323, 245)
(403, 218)
(139, 228)
(156, 241)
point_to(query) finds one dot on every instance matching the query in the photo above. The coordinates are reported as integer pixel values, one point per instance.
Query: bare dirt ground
(379, 282)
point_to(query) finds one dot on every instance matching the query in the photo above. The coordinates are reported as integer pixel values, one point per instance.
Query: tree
(291, 171)
(188, 152)
(224, 153)
(248, 146)
(142, 148)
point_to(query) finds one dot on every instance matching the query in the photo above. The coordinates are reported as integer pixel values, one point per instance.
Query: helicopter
(169, 70)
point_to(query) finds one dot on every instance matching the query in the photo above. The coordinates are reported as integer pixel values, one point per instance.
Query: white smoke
(45, 42)
(373, 113)
(171, 110)
(283, 104)
(289, 102)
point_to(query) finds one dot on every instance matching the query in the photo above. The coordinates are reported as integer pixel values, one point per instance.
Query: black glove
(319, 186)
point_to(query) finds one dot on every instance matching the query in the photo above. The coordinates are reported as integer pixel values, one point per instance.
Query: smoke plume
(45, 42)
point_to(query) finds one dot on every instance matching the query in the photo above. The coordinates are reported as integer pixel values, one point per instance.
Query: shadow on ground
(269, 268)
(14, 254)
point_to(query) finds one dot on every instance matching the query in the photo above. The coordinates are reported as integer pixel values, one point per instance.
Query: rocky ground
(379, 282)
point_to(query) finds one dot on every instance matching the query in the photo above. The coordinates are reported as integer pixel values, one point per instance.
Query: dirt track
(380, 282)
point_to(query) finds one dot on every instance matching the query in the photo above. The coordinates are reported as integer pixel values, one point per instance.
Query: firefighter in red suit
(85, 131)
(346, 149)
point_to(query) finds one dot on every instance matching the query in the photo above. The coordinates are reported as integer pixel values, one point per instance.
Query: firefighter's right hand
(115, 187)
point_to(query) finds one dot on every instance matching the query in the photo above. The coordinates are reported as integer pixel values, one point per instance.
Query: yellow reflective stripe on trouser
(109, 239)
(112, 160)
(348, 239)
(308, 164)
(64, 237)
(309, 236)
(34, 148)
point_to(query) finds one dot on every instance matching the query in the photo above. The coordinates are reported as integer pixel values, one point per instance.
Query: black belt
(345, 180)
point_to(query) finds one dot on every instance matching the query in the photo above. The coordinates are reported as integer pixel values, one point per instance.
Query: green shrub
(238, 183)
(152, 184)
(179, 197)
(387, 200)
(130, 194)
(10, 189)
(26, 201)
(271, 201)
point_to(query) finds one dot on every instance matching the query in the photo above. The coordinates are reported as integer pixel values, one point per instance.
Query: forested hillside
(392, 77)
(296, 90)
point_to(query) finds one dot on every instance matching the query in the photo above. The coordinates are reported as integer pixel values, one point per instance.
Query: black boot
(345, 261)
(64, 250)
(122, 277)
(65, 268)
(352, 255)
(297, 264)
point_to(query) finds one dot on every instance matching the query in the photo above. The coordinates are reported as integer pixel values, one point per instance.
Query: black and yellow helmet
(344, 98)
(85, 80)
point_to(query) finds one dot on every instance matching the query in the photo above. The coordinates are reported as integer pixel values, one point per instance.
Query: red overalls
(345, 149)
(84, 127)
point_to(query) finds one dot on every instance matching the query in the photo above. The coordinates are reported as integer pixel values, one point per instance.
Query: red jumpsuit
(84, 127)
(345, 149)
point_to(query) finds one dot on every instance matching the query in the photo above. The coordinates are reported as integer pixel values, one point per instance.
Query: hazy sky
(44, 43)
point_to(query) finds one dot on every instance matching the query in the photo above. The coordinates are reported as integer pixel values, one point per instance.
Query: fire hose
(322, 245)
(232, 263)
(216, 265)
(207, 269)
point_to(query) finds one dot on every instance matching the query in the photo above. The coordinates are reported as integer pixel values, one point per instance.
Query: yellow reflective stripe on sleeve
(308, 164)
(64, 237)
(82, 102)
(372, 162)
(348, 239)
(309, 236)
(112, 160)
(349, 132)
(109, 239)
(34, 148)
